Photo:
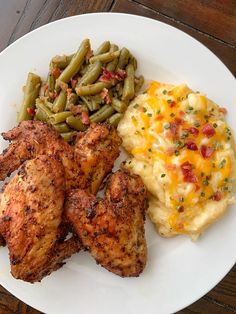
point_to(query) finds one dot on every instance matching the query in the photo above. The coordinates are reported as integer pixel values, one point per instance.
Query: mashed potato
(182, 148)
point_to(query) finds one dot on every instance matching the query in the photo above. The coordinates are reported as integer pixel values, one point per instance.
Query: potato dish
(182, 147)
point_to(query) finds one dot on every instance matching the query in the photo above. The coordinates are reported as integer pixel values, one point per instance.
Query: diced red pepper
(208, 130)
(206, 151)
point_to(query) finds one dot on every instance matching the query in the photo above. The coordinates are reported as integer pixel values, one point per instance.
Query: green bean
(133, 61)
(76, 123)
(75, 63)
(111, 66)
(120, 89)
(118, 105)
(48, 104)
(84, 69)
(68, 136)
(123, 59)
(91, 75)
(60, 117)
(41, 106)
(40, 116)
(128, 90)
(93, 102)
(138, 83)
(62, 127)
(105, 57)
(102, 114)
(84, 108)
(31, 92)
(104, 47)
(72, 99)
(50, 84)
(92, 89)
(61, 62)
(115, 119)
(60, 102)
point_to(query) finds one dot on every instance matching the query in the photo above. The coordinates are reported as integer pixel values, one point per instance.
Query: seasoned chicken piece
(31, 207)
(96, 152)
(86, 164)
(112, 229)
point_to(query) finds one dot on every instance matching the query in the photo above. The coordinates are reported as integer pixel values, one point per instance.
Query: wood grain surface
(212, 22)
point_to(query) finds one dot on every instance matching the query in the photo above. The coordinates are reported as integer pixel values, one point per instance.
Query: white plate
(179, 271)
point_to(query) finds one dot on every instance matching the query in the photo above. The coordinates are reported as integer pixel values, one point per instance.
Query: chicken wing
(31, 207)
(86, 164)
(112, 229)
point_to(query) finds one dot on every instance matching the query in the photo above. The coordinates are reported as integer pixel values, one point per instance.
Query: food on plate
(82, 88)
(31, 208)
(86, 163)
(112, 229)
(33, 222)
(183, 149)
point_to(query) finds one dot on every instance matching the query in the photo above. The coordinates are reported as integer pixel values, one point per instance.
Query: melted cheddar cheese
(181, 146)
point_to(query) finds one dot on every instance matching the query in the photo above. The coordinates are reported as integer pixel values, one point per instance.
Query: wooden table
(213, 22)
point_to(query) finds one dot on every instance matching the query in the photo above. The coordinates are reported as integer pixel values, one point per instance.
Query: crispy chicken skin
(86, 164)
(112, 229)
(31, 207)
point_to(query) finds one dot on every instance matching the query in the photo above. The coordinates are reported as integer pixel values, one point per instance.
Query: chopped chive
(143, 128)
(164, 92)
(202, 174)
(149, 149)
(176, 153)
(181, 199)
(169, 101)
(196, 124)
(136, 106)
(202, 194)
(184, 135)
(163, 175)
(167, 126)
(144, 109)
(149, 114)
(206, 182)
(215, 125)
(222, 163)
(172, 114)
(158, 111)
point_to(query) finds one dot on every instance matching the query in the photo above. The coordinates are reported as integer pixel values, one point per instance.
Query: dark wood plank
(35, 13)
(215, 17)
(225, 52)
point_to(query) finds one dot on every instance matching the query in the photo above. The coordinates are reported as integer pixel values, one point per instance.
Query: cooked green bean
(133, 61)
(123, 59)
(104, 47)
(128, 90)
(105, 57)
(138, 83)
(48, 104)
(61, 62)
(60, 117)
(118, 105)
(84, 69)
(111, 66)
(72, 99)
(50, 84)
(76, 123)
(91, 75)
(40, 116)
(60, 102)
(75, 63)
(84, 108)
(92, 89)
(102, 114)
(31, 92)
(41, 106)
(62, 127)
(115, 119)
(120, 89)
(93, 102)
(68, 136)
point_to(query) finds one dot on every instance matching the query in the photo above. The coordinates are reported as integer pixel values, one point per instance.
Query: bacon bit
(170, 166)
(197, 187)
(85, 117)
(223, 110)
(181, 209)
(105, 96)
(217, 196)
(206, 151)
(191, 145)
(53, 95)
(31, 111)
(73, 83)
(88, 55)
(208, 130)
(159, 117)
(62, 85)
(170, 151)
(181, 113)
(187, 171)
(172, 104)
(174, 126)
(75, 109)
(107, 76)
(56, 72)
(69, 91)
(193, 130)
(120, 74)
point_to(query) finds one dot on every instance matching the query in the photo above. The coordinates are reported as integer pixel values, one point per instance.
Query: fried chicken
(112, 229)
(31, 207)
(86, 164)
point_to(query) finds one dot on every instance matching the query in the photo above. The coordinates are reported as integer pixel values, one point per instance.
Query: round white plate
(178, 271)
